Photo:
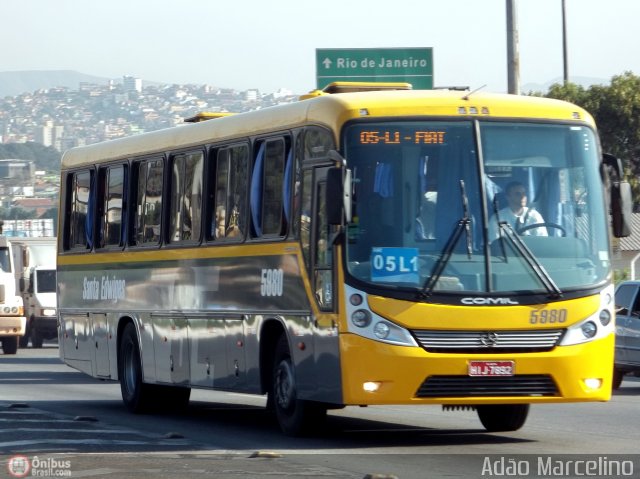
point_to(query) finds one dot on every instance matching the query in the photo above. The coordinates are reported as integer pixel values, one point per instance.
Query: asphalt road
(64, 422)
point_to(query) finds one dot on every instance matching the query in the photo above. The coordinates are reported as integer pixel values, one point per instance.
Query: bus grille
(488, 341)
(467, 386)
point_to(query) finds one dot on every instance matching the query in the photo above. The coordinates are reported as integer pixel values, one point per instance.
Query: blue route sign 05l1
(394, 265)
(410, 65)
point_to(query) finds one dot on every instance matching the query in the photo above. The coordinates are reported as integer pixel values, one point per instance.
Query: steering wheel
(542, 225)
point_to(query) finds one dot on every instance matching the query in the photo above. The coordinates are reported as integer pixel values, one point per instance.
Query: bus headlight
(368, 324)
(597, 326)
(584, 331)
(48, 312)
(589, 329)
(605, 317)
(381, 330)
(361, 318)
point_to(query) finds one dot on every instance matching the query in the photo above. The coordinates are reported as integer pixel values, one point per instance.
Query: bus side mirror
(621, 209)
(338, 195)
(621, 201)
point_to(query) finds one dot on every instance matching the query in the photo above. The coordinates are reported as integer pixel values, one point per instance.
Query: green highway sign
(410, 65)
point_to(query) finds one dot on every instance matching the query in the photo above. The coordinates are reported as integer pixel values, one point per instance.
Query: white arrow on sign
(327, 63)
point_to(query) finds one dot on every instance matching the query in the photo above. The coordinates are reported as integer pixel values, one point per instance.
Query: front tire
(503, 417)
(295, 416)
(136, 395)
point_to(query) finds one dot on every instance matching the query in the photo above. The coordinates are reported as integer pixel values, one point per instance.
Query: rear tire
(10, 344)
(136, 395)
(295, 416)
(503, 417)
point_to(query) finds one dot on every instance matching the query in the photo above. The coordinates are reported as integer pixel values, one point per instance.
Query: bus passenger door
(100, 330)
(320, 379)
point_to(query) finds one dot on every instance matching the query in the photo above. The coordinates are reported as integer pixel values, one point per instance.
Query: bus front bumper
(378, 373)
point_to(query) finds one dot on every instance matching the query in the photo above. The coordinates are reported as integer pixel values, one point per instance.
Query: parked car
(627, 359)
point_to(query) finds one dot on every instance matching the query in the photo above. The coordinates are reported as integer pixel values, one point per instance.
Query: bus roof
(332, 111)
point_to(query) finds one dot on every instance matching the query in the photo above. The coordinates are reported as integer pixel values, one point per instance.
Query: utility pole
(565, 60)
(513, 56)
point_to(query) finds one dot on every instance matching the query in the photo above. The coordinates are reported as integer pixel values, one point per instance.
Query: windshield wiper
(506, 231)
(464, 225)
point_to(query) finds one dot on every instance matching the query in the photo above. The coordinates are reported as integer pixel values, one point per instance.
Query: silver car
(627, 359)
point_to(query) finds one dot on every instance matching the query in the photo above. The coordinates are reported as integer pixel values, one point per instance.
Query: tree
(44, 157)
(15, 213)
(616, 110)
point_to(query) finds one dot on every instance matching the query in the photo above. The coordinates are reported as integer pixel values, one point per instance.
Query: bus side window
(186, 197)
(80, 204)
(230, 201)
(112, 199)
(148, 213)
(267, 193)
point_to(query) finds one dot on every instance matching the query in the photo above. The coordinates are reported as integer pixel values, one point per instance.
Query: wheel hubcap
(285, 385)
(129, 370)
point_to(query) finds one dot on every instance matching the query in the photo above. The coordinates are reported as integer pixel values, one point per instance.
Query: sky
(271, 44)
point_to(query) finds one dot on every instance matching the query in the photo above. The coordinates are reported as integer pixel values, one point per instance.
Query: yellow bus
(347, 249)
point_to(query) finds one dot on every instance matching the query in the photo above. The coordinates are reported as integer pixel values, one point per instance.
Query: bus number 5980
(548, 316)
(271, 282)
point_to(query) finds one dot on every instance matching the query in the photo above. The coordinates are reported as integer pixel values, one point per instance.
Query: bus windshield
(476, 206)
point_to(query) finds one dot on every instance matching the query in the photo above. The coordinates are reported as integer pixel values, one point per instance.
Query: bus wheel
(295, 416)
(136, 395)
(503, 417)
(10, 344)
(617, 378)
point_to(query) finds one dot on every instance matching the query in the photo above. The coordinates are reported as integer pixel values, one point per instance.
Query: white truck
(35, 261)
(12, 318)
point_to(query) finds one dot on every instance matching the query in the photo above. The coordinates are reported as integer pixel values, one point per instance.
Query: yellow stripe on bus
(176, 254)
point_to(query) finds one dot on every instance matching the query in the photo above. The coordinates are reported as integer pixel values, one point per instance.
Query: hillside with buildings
(63, 117)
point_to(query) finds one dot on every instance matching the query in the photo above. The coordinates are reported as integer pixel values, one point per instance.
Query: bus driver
(518, 214)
